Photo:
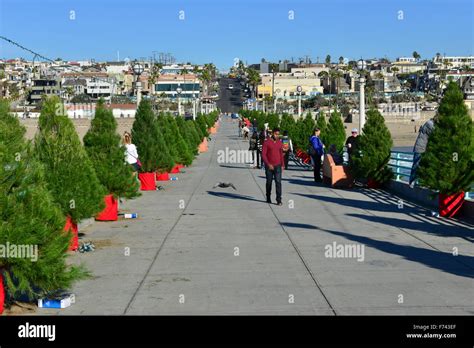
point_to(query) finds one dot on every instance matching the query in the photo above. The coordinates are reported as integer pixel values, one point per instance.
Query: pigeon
(224, 185)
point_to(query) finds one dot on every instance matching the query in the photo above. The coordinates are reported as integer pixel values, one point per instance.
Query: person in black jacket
(260, 140)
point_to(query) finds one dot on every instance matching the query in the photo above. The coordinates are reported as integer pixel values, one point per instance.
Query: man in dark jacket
(420, 148)
(272, 156)
(316, 151)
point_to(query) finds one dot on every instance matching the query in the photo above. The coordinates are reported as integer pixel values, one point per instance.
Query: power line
(68, 66)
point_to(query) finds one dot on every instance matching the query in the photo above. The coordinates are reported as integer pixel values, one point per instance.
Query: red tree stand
(175, 169)
(449, 205)
(72, 226)
(162, 176)
(2, 293)
(147, 181)
(110, 213)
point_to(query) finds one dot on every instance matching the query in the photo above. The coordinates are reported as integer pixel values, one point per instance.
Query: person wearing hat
(352, 142)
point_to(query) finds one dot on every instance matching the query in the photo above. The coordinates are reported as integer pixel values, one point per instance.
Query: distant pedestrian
(240, 127)
(260, 141)
(245, 132)
(420, 148)
(316, 150)
(352, 142)
(253, 146)
(131, 153)
(287, 147)
(272, 155)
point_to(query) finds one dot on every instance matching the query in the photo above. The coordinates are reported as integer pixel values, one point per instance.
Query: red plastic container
(162, 176)
(2, 294)
(175, 169)
(72, 226)
(449, 206)
(147, 181)
(110, 213)
(373, 184)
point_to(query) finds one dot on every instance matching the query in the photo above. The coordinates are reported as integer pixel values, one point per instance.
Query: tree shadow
(299, 225)
(359, 204)
(459, 265)
(423, 226)
(231, 195)
(234, 167)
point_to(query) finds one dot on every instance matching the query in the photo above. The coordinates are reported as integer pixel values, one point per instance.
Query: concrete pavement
(228, 252)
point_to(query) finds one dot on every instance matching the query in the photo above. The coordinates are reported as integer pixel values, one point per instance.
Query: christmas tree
(107, 155)
(288, 123)
(447, 165)
(68, 170)
(374, 146)
(30, 217)
(163, 124)
(149, 140)
(335, 132)
(165, 146)
(201, 123)
(190, 135)
(322, 125)
(304, 130)
(185, 156)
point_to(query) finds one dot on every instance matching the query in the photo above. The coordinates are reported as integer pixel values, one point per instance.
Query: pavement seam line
(298, 252)
(169, 232)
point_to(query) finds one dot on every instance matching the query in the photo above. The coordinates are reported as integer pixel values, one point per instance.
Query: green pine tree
(190, 135)
(69, 172)
(335, 132)
(447, 165)
(322, 125)
(163, 124)
(185, 156)
(165, 148)
(107, 155)
(304, 130)
(30, 216)
(374, 146)
(201, 122)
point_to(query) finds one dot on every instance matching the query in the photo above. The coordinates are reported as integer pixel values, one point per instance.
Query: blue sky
(220, 30)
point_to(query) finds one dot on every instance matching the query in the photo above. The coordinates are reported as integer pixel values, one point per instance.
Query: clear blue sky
(220, 30)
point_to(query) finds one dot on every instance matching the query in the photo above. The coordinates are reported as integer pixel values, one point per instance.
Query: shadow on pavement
(234, 196)
(423, 226)
(445, 262)
(298, 225)
(234, 167)
(360, 204)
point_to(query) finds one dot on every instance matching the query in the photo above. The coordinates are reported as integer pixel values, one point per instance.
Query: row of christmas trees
(47, 186)
(447, 166)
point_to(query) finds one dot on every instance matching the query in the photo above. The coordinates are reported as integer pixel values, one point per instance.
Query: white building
(454, 61)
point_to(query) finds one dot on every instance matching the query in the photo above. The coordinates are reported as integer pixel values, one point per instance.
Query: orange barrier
(203, 146)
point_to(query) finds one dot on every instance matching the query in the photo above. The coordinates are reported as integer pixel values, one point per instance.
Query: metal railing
(401, 164)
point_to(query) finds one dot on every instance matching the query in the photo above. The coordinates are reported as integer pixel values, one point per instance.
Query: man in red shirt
(272, 155)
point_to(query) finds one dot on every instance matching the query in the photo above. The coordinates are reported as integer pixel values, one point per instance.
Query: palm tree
(416, 55)
(154, 74)
(328, 59)
(254, 79)
(341, 60)
(273, 67)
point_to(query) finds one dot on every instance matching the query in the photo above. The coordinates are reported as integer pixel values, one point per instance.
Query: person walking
(260, 141)
(287, 147)
(352, 142)
(253, 147)
(420, 147)
(316, 150)
(272, 155)
(131, 153)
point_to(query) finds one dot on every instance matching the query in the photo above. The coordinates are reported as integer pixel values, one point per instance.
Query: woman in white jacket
(131, 154)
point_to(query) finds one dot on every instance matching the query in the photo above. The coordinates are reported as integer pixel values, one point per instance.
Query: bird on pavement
(224, 185)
